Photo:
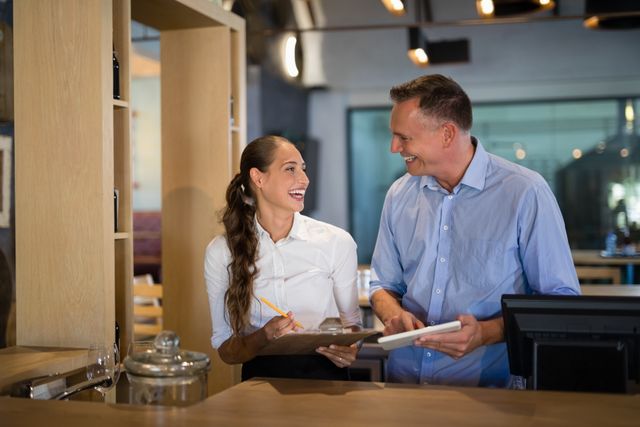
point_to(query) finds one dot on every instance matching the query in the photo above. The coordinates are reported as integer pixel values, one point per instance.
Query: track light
(498, 8)
(290, 56)
(623, 14)
(396, 7)
(418, 47)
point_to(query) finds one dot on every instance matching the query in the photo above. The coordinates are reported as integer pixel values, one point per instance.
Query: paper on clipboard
(298, 343)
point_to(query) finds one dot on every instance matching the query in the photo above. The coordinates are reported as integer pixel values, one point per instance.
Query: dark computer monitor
(574, 343)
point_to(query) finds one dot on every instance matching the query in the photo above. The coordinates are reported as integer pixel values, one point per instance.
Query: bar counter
(306, 403)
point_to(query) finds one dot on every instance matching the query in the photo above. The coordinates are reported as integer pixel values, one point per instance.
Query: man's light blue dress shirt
(499, 231)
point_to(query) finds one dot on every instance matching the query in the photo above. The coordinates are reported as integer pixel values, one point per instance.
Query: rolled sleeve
(386, 270)
(344, 276)
(544, 248)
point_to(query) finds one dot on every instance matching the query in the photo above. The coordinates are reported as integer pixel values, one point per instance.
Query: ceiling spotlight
(396, 7)
(498, 8)
(612, 14)
(418, 47)
(485, 7)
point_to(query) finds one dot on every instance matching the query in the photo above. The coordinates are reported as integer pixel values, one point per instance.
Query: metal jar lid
(166, 359)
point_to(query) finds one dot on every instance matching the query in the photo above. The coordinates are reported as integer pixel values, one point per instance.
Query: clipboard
(300, 343)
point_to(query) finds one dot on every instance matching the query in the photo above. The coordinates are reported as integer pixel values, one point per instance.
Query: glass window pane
(586, 150)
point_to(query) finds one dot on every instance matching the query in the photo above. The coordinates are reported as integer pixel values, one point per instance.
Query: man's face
(418, 139)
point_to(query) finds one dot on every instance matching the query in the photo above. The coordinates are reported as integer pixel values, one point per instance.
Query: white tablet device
(406, 338)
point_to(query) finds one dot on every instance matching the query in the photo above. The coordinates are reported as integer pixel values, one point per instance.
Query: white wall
(328, 122)
(545, 60)
(146, 140)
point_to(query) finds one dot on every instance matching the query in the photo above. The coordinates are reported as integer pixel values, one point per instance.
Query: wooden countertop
(333, 403)
(21, 363)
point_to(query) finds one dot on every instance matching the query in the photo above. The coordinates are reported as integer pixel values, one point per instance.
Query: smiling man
(460, 229)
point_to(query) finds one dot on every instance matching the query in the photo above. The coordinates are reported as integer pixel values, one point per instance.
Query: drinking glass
(104, 361)
(140, 347)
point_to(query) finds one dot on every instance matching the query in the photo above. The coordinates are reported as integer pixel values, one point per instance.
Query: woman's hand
(279, 326)
(242, 348)
(341, 356)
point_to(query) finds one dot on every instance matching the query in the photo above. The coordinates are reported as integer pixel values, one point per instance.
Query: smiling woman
(270, 252)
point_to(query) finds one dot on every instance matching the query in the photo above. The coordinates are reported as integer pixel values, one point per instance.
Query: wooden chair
(147, 317)
(599, 274)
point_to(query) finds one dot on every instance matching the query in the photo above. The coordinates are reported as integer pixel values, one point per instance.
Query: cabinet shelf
(119, 103)
(121, 235)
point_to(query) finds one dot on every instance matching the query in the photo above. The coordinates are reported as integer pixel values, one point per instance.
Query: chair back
(147, 310)
(598, 274)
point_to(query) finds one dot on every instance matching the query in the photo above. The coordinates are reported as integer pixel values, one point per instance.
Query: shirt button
(446, 227)
(442, 259)
(438, 291)
(449, 197)
(428, 354)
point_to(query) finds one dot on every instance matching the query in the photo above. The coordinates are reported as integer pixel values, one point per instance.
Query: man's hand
(404, 321)
(473, 334)
(386, 305)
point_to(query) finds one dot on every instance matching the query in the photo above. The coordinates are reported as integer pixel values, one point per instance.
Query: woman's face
(283, 185)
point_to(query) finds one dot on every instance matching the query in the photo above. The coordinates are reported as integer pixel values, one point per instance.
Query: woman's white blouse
(311, 272)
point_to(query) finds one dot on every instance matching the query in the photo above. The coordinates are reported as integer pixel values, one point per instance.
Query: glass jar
(166, 375)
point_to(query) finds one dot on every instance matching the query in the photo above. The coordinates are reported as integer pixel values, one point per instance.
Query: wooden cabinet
(73, 271)
(72, 149)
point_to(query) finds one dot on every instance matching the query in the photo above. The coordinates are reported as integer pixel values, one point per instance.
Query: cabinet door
(64, 172)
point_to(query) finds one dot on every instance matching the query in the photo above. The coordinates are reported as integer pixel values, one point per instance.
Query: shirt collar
(476, 173)
(298, 230)
(261, 231)
(474, 176)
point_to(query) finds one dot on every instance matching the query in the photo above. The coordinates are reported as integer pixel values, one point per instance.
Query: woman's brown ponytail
(239, 224)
